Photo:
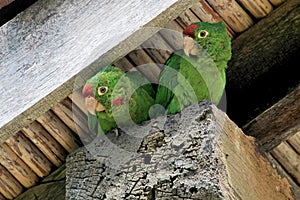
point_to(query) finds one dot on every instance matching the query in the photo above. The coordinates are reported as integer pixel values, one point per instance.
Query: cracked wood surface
(197, 154)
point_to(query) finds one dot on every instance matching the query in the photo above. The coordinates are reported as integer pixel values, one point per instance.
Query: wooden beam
(196, 154)
(278, 123)
(264, 63)
(50, 46)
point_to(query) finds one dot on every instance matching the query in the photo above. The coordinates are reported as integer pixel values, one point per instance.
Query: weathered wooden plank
(157, 48)
(204, 11)
(258, 8)
(9, 186)
(196, 154)
(74, 118)
(279, 168)
(277, 2)
(124, 64)
(47, 45)
(5, 3)
(264, 63)
(29, 153)
(77, 99)
(232, 13)
(58, 130)
(294, 141)
(2, 197)
(289, 159)
(278, 123)
(145, 64)
(45, 142)
(17, 167)
(187, 18)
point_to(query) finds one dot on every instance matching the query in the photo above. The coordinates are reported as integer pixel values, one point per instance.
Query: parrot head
(212, 37)
(100, 93)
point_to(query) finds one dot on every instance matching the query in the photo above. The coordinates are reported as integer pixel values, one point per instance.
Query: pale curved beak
(92, 105)
(189, 46)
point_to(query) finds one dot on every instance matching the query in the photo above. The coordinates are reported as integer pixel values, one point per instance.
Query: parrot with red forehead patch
(114, 98)
(196, 72)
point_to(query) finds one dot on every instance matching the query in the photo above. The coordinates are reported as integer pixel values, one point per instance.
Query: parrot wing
(139, 81)
(168, 80)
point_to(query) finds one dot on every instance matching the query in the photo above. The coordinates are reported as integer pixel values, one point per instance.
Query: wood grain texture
(17, 167)
(45, 142)
(9, 186)
(207, 14)
(196, 154)
(264, 63)
(294, 141)
(58, 130)
(232, 13)
(5, 3)
(278, 123)
(277, 2)
(258, 8)
(295, 187)
(289, 159)
(30, 154)
(47, 45)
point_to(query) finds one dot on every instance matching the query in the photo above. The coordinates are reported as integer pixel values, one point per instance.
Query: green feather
(127, 99)
(185, 80)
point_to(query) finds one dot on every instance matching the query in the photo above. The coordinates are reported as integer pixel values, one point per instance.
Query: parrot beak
(93, 105)
(189, 46)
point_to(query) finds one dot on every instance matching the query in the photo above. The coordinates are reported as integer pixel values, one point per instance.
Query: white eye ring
(202, 34)
(102, 90)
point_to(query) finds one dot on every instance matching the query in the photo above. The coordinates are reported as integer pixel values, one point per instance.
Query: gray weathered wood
(47, 45)
(278, 123)
(196, 154)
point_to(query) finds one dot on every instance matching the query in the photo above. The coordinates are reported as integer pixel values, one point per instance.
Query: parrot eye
(202, 34)
(102, 90)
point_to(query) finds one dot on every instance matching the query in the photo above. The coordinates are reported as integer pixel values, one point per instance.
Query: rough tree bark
(196, 154)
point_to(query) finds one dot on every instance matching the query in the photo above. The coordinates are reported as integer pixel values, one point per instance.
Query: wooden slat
(207, 14)
(232, 13)
(29, 154)
(258, 8)
(277, 2)
(17, 167)
(187, 18)
(289, 159)
(87, 34)
(270, 50)
(4, 3)
(294, 186)
(58, 130)
(74, 118)
(173, 25)
(2, 197)
(124, 64)
(9, 186)
(157, 48)
(78, 100)
(294, 141)
(46, 144)
(145, 64)
(271, 128)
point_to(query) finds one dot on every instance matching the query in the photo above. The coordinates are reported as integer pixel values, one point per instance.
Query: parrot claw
(117, 132)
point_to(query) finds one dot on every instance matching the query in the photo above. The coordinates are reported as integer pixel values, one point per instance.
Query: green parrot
(114, 98)
(196, 72)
